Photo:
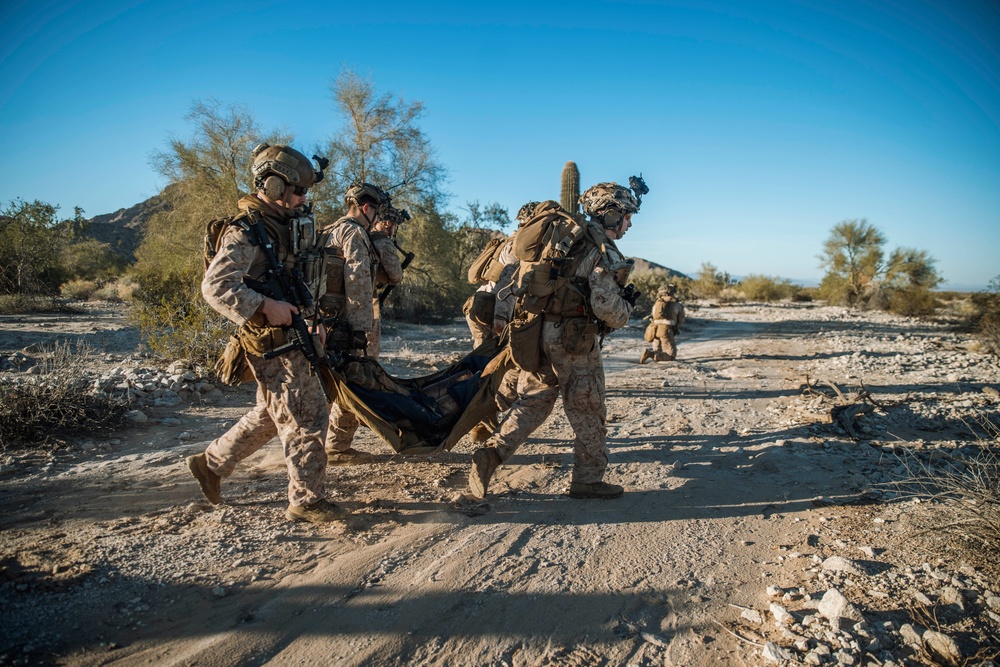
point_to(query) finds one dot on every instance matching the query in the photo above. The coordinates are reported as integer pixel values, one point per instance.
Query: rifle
(290, 288)
(407, 258)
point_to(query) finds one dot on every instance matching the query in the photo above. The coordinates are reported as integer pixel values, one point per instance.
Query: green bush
(912, 301)
(756, 287)
(90, 260)
(180, 326)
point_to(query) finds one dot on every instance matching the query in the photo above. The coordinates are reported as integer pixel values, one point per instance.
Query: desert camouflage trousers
(580, 377)
(375, 339)
(480, 332)
(291, 405)
(664, 347)
(343, 425)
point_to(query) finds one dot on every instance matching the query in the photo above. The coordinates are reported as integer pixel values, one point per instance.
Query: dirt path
(735, 482)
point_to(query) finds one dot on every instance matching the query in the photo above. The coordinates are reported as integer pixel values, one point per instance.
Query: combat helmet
(397, 216)
(359, 191)
(526, 211)
(600, 199)
(274, 167)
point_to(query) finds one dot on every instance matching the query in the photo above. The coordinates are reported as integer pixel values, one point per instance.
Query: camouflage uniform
(667, 318)
(505, 299)
(290, 401)
(353, 242)
(389, 271)
(580, 376)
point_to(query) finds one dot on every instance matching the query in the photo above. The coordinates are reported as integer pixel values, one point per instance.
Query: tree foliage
(379, 141)
(29, 248)
(852, 257)
(858, 274)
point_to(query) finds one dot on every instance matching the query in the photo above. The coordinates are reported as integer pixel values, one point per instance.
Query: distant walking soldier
(290, 401)
(668, 316)
(351, 286)
(388, 269)
(588, 298)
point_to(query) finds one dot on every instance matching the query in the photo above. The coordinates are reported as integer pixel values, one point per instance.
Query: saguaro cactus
(570, 194)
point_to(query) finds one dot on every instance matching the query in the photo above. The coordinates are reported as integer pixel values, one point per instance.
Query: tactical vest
(333, 303)
(551, 245)
(296, 245)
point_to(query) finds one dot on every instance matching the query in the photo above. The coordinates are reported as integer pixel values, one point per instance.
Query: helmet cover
(608, 195)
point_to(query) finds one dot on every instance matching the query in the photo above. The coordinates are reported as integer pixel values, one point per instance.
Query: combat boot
(321, 511)
(348, 457)
(210, 482)
(601, 490)
(646, 355)
(485, 461)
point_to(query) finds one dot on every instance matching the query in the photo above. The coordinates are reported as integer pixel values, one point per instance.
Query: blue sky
(757, 125)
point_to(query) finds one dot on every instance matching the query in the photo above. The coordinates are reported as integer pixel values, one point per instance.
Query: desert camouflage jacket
(354, 244)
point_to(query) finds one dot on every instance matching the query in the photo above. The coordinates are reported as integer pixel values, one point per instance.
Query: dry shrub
(119, 291)
(964, 498)
(78, 290)
(181, 326)
(911, 301)
(21, 303)
(60, 400)
(757, 287)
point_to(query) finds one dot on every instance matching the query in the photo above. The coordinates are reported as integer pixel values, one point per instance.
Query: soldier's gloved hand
(631, 294)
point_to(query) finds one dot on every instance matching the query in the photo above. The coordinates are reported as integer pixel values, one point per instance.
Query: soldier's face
(623, 226)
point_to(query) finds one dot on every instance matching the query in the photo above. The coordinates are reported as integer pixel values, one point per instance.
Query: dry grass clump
(36, 409)
(963, 495)
(78, 290)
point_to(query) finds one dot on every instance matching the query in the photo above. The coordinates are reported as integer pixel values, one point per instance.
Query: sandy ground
(736, 481)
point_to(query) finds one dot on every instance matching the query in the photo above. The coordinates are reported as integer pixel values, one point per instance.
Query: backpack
(542, 244)
(214, 231)
(480, 271)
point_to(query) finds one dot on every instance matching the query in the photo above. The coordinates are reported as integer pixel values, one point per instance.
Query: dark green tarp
(426, 414)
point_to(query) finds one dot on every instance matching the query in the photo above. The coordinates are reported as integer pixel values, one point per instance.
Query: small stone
(136, 416)
(219, 591)
(812, 658)
(775, 653)
(921, 599)
(656, 640)
(867, 551)
(834, 606)
(943, 647)
(910, 635)
(841, 564)
(171, 421)
(774, 591)
(753, 616)
(781, 615)
(665, 383)
(993, 602)
(843, 658)
(951, 595)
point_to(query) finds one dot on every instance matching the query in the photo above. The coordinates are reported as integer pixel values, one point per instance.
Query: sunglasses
(299, 190)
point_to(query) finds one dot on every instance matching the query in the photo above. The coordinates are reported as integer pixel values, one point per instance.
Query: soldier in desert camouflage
(389, 268)
(290, 400)
(667, 318)
(571, 354)
(349, 241)
(496, 290)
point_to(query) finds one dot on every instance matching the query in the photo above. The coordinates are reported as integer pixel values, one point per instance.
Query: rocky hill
(123, 229)
(644, 265)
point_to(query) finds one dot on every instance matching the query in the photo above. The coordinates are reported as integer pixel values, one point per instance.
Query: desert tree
(852, 256)
(379, 140)
(29, 248)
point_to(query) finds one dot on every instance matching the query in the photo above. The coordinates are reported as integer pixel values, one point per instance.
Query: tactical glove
(631, 294)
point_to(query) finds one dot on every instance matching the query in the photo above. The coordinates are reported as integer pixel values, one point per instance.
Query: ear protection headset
(273, 186)
(611, 218)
